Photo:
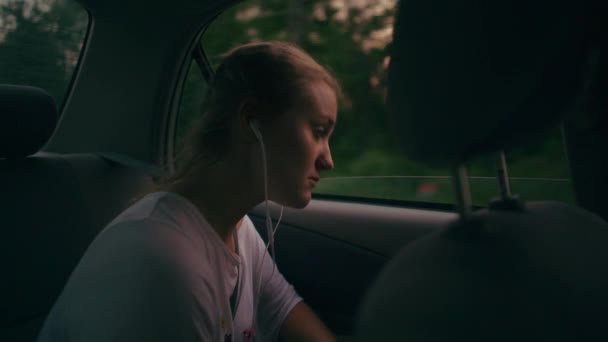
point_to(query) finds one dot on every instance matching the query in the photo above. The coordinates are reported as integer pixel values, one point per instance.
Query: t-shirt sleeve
(131, 288)
(277, 296)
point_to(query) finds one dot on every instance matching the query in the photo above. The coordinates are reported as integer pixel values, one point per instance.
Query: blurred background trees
(40, 41)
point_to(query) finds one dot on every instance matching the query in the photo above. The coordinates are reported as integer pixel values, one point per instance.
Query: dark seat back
(536, 275)
(474, 77)
(51, 208)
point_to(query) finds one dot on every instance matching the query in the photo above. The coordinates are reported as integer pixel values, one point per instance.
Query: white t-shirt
(159, 272)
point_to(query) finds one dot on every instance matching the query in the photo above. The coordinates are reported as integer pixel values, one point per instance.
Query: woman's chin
(300, 201)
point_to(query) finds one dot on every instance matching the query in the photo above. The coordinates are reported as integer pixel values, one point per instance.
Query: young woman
(186, 263)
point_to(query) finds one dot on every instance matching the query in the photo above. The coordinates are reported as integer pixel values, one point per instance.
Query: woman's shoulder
(247, 228)
(134, 252)
(147, 207)
(137, 269)
(158, 226)
(163, 211)
(249, 237)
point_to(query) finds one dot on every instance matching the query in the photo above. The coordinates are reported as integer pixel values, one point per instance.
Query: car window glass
(352, 39)
(40, 43)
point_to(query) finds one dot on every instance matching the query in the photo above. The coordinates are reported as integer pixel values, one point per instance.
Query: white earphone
(255, 127)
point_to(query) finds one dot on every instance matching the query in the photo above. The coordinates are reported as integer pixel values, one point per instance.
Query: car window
(40, 43)
(352, 39)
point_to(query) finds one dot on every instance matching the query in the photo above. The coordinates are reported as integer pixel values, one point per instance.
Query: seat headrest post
(462, 191)
(503, 176)
(506, 200)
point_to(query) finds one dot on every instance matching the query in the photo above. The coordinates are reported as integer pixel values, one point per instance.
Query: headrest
(28, 116)
(474, 76)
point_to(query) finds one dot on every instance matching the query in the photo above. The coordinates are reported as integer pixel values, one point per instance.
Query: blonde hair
(273, 73)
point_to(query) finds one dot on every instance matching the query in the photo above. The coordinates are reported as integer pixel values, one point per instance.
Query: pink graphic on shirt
(248, 335)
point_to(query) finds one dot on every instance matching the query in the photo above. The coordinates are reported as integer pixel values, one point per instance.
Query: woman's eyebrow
(327, 121)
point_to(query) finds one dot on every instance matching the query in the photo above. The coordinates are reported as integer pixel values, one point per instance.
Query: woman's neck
(221, 193)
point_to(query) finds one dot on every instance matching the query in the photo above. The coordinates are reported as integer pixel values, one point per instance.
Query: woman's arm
(302, 324)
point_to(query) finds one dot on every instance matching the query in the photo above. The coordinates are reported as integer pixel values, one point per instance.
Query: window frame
(195, 55)
(207, 70)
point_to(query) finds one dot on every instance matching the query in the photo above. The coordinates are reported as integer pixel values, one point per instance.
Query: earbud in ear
(255, 127)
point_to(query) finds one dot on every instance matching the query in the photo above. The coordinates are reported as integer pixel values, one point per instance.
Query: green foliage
(335, 43)
(345, 40)
(40, 42)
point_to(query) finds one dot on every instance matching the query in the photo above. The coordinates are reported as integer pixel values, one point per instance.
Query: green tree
(338, 38)
(40, 42)
(354, 42)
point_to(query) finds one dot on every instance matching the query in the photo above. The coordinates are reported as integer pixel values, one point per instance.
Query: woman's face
(297, 145)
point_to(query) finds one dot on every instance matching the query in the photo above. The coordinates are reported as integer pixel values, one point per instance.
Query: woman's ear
(248, 113)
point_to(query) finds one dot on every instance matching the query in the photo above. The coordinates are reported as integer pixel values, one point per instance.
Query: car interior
(517, 270)
(465, 79)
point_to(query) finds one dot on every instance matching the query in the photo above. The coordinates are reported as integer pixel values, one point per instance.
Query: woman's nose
(324, 162)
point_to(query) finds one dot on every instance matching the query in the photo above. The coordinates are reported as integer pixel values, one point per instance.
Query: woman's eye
(320, 132)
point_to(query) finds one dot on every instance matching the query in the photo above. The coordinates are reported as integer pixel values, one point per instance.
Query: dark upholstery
(51, 208)
(537, 275)
(469, 77)
(28, 116)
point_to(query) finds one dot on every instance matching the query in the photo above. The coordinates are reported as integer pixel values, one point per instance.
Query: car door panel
(331, 251)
